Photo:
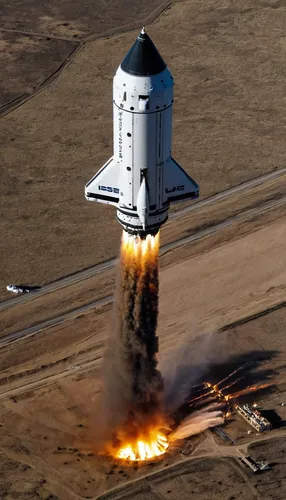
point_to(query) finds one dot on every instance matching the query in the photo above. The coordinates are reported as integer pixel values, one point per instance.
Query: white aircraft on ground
(21, 288)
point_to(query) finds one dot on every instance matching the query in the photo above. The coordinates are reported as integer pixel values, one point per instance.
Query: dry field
(222, 297)
(271, 486)
(44, 306)
(36, 43)
(229, 126)
(224, 480)
(214, 478)
(50, 382)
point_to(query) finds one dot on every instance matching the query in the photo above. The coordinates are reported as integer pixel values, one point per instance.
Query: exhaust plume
(185, 366)
(198, 422)
(133, 386)
(134, 419)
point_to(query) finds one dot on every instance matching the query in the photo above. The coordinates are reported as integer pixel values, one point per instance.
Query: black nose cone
(143, 58)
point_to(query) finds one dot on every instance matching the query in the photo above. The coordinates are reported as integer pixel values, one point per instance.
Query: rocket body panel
(141, 121)
(142, 170)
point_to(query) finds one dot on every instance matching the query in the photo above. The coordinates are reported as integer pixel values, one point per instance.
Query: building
(254, 418)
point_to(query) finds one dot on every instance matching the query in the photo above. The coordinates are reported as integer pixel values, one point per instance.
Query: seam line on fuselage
(138, 112)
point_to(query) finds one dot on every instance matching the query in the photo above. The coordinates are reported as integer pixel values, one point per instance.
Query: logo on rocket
(142, 179)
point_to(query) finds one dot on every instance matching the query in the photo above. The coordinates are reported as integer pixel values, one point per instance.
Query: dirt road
(20, 334)
(245, 190)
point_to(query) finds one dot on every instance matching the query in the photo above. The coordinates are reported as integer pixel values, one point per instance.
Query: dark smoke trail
(133, 385)
(147, 382)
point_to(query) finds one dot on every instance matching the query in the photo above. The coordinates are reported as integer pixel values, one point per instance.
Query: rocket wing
(104, 186)
(177, 184)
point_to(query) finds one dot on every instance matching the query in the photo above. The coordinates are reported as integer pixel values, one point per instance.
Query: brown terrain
(229, 125)
(222, 264)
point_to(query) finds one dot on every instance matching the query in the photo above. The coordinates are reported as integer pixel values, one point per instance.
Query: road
(99, 268)
(33, 330)
(207, 449)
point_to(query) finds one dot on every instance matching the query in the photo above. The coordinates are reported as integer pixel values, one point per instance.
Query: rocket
(142, 179)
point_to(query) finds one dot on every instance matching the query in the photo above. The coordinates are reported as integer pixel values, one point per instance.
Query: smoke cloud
(138, 399)
(186, 364)
(198, 422)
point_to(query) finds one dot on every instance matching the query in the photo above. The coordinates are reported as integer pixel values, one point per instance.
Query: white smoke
(198, 422)
(186, 364)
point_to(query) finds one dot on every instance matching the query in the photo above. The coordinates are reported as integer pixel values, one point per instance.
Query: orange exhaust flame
(140, 435)
(232, 373)
(230, 385)
(135, 248)
(216, 392)
(202, 396)
(248, 390)
(141, 450)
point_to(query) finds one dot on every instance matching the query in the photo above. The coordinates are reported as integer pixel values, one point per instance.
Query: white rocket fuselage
(142, 179)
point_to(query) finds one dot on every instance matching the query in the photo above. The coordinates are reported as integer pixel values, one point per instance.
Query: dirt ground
(36, 43)
(229, 119)
(50, 382)
(274, 453)
(26, 61)
(92, 288)
(190, 479)
(50, 430)
(224, 479)
(267, 289)
(200, 294)
(69, 19)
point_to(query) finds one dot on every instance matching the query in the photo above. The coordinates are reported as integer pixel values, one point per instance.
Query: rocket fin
(177, 184)
(104, 186)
